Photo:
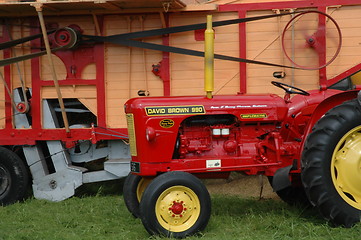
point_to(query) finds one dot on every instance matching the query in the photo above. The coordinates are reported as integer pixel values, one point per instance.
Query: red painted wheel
(305, 36)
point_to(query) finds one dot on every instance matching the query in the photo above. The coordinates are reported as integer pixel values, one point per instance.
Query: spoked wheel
(133, 190)
(332, 164)
(304, 39)
(175, 204)
(14, 177)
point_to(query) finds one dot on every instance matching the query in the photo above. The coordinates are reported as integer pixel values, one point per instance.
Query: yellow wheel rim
(142, 185)
(177, 209)
(345, 167)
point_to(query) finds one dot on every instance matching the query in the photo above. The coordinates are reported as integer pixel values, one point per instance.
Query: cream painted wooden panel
(188, 71)
(129, 70)
(80, 91)
(264, 44)
(85, 94)
(349, 20)
(22, 70)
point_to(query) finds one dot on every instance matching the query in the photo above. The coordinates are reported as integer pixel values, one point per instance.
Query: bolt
(52, 184)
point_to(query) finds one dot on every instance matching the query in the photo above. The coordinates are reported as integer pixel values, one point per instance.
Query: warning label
(253, 115)
(174, 110)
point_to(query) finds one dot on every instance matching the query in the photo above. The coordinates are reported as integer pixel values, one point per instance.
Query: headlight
(150, 134)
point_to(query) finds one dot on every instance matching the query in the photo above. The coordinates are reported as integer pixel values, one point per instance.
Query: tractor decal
(175, 110)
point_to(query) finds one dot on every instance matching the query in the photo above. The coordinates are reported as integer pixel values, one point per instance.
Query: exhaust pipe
(209, 58)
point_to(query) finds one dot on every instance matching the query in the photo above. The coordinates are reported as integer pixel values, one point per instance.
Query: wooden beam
(107, 5)
(39, 9)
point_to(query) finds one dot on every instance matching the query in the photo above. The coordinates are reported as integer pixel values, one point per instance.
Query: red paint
(177, 208)
(242, 53)
(321, 5)
(7, 79)
(30, 136)
(258, 158)
(345, 74)
(165, 61)
(77, 60)
(321, 47)
(255, 134)
(286, 5)
(199, 34)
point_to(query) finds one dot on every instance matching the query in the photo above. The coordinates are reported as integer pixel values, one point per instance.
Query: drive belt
(15, 42)
(130, 39)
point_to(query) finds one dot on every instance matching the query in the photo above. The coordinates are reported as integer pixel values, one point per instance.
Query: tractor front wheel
(133, 190)
(331, 164)
(175, 204)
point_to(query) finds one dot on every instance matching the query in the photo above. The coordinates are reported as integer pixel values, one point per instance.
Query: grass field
(103, 215)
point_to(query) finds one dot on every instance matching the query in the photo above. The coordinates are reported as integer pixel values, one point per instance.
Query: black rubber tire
(316, 163)
(14, 177)
(130, 194)
(159, 186)
(293, 195)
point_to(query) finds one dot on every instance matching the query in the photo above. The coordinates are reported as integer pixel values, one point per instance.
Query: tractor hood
(246, 107)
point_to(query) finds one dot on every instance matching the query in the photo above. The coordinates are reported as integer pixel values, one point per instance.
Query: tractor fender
(324, 106)
(281, 179)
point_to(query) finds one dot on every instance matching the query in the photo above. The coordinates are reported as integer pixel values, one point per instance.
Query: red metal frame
(7, 78)
(12, 136)
(29, 136)
(345, 74)
(242, 53)
(321, 6)
(165, 75)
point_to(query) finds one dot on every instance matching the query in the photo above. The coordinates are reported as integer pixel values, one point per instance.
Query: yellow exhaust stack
(209, 58)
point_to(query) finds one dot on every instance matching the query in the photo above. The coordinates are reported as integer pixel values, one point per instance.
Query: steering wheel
(290, 89)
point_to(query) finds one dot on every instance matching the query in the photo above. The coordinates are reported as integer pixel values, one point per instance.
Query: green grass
(104, 216)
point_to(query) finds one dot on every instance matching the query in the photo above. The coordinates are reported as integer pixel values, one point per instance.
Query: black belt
(128, 39)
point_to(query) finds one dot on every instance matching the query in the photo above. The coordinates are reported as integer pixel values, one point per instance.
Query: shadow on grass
(234, 206)
(108, 188)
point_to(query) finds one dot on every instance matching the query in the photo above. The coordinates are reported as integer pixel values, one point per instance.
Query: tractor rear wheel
(14, 177)
(331, 163)
(175, 204)
(133, 190)
(294, 194)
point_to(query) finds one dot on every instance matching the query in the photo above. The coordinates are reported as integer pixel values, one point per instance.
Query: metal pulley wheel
(66, 37)
(305, 37)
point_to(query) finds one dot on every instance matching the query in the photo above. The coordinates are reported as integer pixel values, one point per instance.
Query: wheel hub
(178, 208)
(4, 180)
(346, 167)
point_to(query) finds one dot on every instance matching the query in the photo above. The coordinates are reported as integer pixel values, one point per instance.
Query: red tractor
(308, 145)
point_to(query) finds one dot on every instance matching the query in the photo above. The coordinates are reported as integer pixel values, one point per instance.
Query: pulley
(66, 37)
